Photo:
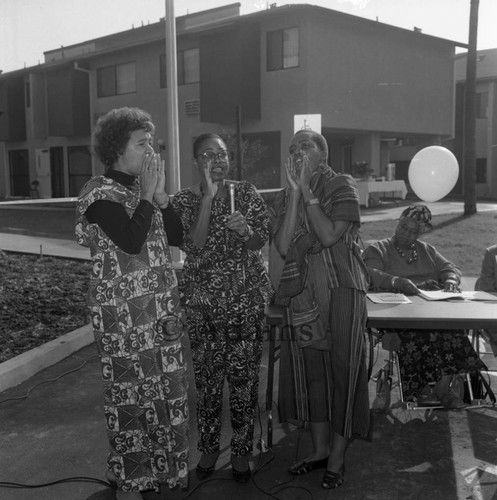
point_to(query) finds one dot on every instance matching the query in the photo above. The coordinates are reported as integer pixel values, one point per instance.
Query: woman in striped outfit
(324, 282)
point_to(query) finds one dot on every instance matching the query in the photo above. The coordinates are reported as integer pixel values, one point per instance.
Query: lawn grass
(460, 239)
(42, 299)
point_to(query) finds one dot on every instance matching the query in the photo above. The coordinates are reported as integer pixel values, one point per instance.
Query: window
(116, 80)
(188, 67)
(481, 104)
(283, 49)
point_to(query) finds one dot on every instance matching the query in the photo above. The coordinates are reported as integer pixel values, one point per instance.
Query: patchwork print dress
(136, 317)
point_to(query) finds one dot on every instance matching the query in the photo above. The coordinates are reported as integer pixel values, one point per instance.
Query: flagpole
(173, 163)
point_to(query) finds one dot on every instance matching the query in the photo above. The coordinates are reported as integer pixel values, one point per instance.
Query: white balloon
(433, 172)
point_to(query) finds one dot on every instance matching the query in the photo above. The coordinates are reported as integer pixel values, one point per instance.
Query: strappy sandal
(306, 467)
(332, 479)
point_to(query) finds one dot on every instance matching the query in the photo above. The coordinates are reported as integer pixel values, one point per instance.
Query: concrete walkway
(52, 428)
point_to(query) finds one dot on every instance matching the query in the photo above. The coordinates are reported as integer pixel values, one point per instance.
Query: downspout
(77, 67)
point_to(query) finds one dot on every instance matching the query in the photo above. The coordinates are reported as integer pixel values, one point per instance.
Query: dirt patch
(40, 300)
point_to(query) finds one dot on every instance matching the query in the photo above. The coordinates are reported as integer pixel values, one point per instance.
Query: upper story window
(188, 67)
(116, 80)
(283, 49)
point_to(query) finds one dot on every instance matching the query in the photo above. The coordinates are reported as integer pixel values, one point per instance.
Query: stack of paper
(388, 298)
(467, 295)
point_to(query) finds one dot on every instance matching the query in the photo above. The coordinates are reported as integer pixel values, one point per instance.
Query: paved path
(57, 431)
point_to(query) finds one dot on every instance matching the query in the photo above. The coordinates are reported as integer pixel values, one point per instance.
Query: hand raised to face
(149, 173)
(298, 171)
(209, 187)
(160, 195)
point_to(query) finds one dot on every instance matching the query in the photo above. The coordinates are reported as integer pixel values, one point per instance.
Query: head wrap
(421, 214)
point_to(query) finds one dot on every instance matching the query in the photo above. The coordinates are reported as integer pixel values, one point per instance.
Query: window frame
(113, 82)
(180, 58)
(276, 52)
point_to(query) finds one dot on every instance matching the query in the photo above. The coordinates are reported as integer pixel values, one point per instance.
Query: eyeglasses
(211, 156)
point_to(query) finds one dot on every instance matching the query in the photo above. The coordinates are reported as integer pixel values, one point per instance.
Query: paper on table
(466, 295)
(388, 298)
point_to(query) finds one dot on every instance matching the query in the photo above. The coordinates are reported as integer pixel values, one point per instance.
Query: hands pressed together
(153, 179)
(298, 175)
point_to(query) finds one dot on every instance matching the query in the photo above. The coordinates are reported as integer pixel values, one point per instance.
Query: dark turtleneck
(129, 234)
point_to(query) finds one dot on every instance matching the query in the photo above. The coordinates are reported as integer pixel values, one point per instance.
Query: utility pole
(470, 114)
(173, 163)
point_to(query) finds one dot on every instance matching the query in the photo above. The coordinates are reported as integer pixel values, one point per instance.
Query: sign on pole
(302, 122)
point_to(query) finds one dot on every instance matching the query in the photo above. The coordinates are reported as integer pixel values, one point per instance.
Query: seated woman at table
(403, 263)
(487, 282)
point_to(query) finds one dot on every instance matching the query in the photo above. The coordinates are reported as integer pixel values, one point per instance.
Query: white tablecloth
(397, 188)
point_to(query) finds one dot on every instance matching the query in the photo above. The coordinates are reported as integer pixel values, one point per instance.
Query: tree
(251, 153)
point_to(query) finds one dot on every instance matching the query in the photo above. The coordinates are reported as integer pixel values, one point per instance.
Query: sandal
(306, 467)
(332, 479)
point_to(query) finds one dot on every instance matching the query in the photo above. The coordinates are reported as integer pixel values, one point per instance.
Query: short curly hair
(113, 131)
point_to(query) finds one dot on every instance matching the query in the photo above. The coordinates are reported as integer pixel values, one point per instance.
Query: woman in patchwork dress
(125, 219)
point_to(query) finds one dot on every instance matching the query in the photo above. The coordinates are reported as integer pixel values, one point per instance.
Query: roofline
(210, 26)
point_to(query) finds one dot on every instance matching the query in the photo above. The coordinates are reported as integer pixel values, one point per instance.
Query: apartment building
(383, 93)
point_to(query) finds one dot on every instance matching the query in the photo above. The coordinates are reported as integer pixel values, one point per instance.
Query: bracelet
(311, 201)
(392, 283)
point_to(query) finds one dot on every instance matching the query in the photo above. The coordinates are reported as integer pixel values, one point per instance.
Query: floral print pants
(237, 359)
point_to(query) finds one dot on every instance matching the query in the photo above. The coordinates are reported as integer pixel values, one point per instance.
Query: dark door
(19, 172)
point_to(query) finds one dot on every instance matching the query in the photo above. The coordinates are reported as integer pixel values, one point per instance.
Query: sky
(30, 27)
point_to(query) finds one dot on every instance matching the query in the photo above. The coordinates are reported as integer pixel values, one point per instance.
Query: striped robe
(325, 380)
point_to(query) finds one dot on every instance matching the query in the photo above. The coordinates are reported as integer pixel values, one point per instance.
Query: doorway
(19, 172)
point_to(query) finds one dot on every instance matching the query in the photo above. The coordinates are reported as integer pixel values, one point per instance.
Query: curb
(18, 369)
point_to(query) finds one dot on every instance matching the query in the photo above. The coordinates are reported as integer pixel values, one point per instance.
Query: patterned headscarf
(421, 214)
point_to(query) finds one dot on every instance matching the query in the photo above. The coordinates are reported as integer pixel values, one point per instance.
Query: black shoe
(306, 467)
(332, 479)
(205, 472)
(111, 479)
(241, 476)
